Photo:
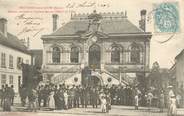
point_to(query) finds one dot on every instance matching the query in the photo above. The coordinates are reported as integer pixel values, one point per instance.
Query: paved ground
(116, 111)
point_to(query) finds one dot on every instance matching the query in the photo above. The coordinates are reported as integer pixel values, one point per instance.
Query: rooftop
(180, 54)
(110, 24)
(13, 42)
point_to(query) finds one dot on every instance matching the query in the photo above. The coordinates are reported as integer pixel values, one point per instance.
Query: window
(19, 62)
(56, 54)
(10, 61)
(3, 79)
(115, 54)
(11, 79)
(74, 55)
(3, 60)
(135, 55)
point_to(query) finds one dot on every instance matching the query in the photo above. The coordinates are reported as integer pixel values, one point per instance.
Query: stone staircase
(115, 76)
(61, 78)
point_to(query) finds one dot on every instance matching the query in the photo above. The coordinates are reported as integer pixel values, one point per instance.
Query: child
(103, 104)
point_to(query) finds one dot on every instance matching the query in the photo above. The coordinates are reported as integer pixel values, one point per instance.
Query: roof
(110, 24)
(13, 42)
(180, 54)
(107, 26)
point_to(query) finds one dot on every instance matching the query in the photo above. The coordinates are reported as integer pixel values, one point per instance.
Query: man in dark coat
(112, 94)
(2, 92)
(76, 97)
(86, 96)
(72, 96)
(12, 94)
(45, 95)
(7, 99)
(60, 98)
(94, 96)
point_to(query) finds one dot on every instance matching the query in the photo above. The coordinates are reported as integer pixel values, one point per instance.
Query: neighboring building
(159, 77)
(12, 54)
(172, 76)
(179, 69)
(96, 49)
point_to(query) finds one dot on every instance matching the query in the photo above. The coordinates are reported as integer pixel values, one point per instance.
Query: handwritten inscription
(86, 4)
(29, 24)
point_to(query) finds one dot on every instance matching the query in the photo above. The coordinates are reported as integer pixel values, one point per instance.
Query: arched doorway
(94, 56)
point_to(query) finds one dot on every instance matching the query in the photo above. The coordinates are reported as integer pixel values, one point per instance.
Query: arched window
(135, 53)
(56, 54)
(74, 55)
(115, 54)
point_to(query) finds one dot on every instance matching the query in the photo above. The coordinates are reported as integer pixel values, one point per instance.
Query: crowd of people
(59, 97)
(65, 97)
(7, 95)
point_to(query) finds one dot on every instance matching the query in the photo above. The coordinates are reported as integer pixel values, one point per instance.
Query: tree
(155, 76)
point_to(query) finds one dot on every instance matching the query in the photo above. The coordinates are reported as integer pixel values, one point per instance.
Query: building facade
(96, 48)
(12, 54)
(179, 69)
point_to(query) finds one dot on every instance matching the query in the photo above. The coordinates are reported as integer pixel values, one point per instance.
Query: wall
(14, 72)
(180, 70)
(105, 44)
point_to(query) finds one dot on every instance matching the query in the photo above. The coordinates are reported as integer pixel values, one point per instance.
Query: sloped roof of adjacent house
(110, 24)
(180, 54)
(13, 42)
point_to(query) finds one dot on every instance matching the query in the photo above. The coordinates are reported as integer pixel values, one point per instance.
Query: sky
(12, 10)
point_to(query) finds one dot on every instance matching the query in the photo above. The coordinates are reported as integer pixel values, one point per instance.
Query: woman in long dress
(51, 101)
(172, 108)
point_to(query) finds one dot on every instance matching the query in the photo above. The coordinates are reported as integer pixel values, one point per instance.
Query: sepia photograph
(92, 57)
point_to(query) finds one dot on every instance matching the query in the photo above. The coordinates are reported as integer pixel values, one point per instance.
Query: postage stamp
(166, 17)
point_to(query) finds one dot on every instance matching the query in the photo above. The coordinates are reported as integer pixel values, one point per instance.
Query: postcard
(92, 57)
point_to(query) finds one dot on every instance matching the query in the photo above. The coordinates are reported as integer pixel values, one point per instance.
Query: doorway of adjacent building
(94, 56)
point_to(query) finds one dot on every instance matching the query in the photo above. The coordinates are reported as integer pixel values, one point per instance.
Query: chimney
(3, 26)
(142, 22)
(55, 17)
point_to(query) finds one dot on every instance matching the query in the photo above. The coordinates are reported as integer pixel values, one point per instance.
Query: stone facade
(104, 48)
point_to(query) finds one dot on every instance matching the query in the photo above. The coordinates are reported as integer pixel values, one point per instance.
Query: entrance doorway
(94, 56)
(88, 79)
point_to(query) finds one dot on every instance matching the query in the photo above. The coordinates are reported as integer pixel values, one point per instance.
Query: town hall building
(96, 48)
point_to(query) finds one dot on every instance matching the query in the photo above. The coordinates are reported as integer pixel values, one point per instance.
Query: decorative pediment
(94, 22)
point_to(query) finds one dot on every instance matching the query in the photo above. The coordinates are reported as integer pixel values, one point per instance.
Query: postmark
(166, 17)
